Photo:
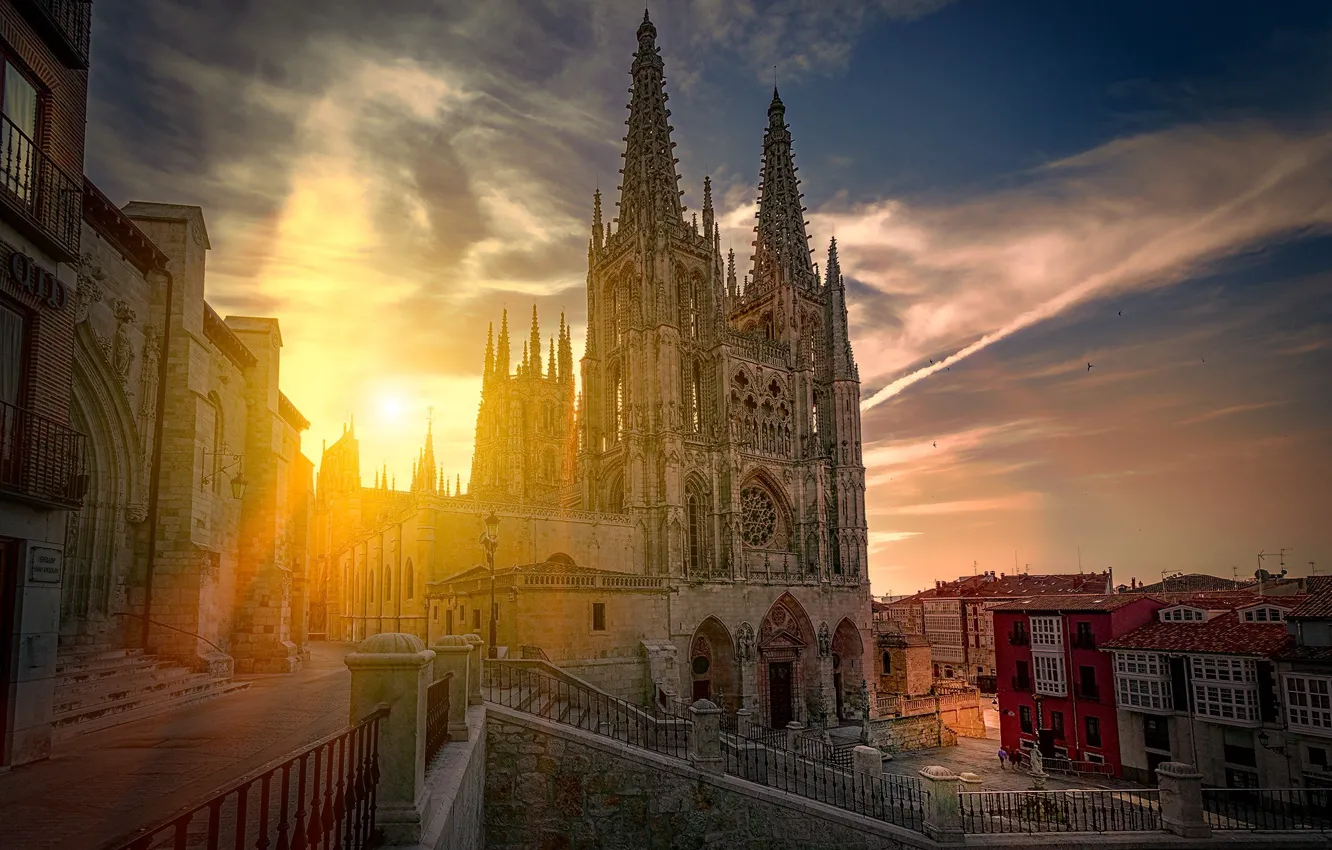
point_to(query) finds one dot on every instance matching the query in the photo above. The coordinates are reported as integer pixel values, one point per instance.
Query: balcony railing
(40, 459)
(65, 24)
(1021, 684)
(1084, 641)
(1019, 638)
(1088, 692)
(49, 201)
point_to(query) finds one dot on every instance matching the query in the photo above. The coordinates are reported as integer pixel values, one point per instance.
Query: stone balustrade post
(744, 723)
(705, 737)
(867, 766)
(1181, 800)
(943, 818)
(793, 732)
(476, 667)
(395, 670)
(451, 659)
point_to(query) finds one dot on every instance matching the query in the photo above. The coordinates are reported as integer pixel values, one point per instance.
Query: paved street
(980, 756)
(105, 784)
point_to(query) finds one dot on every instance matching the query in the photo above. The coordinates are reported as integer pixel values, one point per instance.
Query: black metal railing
(813, 747)
(437, 715)
(41, 459)
(562, 701)
(1060, 811)
(1271, 809)
(893, 799)
(66, 25)
(1019, 637)
(34, 185)
(322, 797)
(1021, 684)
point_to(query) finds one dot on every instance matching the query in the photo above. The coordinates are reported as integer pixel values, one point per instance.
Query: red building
(1055, 688)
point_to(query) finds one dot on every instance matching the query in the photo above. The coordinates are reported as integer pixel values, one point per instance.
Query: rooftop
(1225, 634)
(1073, 602)
(1000, 586)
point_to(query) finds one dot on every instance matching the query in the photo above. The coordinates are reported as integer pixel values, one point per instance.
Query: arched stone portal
(788, 664)
(712, 664)
(847, 653)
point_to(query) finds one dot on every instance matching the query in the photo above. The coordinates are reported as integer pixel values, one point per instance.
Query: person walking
(1003, 759)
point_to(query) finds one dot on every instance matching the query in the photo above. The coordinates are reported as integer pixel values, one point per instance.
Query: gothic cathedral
(703, 496)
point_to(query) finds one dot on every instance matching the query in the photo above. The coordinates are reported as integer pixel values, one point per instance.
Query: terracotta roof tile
(987, 586)
(1224, 634)
(1072, 602)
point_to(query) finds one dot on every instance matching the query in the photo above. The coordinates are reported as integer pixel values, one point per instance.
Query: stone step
(114, 713)
(96, 653)
(111, 688)
(86, 665)
(79, 674)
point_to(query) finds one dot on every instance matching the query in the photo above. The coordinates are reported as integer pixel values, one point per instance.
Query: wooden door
(779, 693)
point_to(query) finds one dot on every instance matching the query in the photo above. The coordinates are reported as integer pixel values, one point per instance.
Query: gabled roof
(1073, 602)
(1021, 584)
(1225, 634)
(1315, 606)
(1191, 583)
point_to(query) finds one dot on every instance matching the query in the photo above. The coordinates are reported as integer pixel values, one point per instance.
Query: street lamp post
(490, 542)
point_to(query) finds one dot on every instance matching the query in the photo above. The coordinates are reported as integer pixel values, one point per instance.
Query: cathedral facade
(713, 452)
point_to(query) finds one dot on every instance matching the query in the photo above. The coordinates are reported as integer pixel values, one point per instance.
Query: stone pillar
(395, 670)
(867, 761)
(744, 722)
(943, 820)
(1181, 800)
(705, 737)
(793, 732)
(829, 692)
(749, 683)
(476, 667)
(451, 652)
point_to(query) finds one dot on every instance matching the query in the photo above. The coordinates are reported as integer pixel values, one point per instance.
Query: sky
(1088, 246)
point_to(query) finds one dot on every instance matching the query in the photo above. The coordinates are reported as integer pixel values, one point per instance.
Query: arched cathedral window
(693, 401)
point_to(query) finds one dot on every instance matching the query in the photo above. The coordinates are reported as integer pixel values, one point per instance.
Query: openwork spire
(490, 355)
(781, 252)
(597, 227)
(648, 192)
(534, 366)
(502, 354)
(834, 271)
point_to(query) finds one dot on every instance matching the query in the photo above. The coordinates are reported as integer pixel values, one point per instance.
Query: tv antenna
(1313, 571)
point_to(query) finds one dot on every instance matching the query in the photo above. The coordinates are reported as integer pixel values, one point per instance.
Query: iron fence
(38, 188)
(321, 797)
(893, 799)
(561, 701)
(69, 22)
(812, 746)
(437, 715)
(1284, 809)
(41, 459)
(1060, 811)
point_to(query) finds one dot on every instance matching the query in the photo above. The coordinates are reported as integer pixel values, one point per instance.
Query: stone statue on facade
(825, 640)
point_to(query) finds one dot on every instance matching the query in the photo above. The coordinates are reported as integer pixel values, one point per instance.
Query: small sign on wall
(45, 565)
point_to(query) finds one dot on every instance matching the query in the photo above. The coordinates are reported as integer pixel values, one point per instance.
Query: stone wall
(552, 787)
(621, 677)
(455, 785)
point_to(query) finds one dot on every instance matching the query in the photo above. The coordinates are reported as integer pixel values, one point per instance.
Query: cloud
(880, 539)
(1132, 214)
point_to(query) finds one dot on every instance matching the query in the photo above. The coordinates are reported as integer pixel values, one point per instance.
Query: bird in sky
(1089, 367)
(1121, 312)
(935, 444)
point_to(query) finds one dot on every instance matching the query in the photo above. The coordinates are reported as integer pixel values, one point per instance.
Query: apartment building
(957, 620)
(1056, 692)
(43, 99)
(1200, 685)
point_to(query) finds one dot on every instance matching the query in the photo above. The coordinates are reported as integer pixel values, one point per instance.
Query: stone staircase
(100, 686)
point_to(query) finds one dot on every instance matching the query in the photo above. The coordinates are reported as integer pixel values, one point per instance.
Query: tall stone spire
(566, 353)
(648, 192)
(428, 458)
(840, 358)
(707, 206)
(550, 369)
(732, 286)
(598, 231)
(457, 484)
(502, 354)
(781, 249)
(534, 367)
(490, 355)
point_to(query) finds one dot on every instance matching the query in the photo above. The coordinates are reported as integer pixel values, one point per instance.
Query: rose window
(758, 517)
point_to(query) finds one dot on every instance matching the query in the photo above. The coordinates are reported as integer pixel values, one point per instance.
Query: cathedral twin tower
(721, 415)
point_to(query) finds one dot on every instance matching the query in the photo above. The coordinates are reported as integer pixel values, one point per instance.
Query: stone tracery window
(758, 517)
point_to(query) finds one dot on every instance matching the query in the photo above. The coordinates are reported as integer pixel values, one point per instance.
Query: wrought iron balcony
(1084, 641)
(1019, 637)
(48, 202)
(65, 25)
(1021, 684)
(41, 460)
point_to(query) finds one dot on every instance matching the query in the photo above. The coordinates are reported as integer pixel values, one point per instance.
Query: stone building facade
(714, 447)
